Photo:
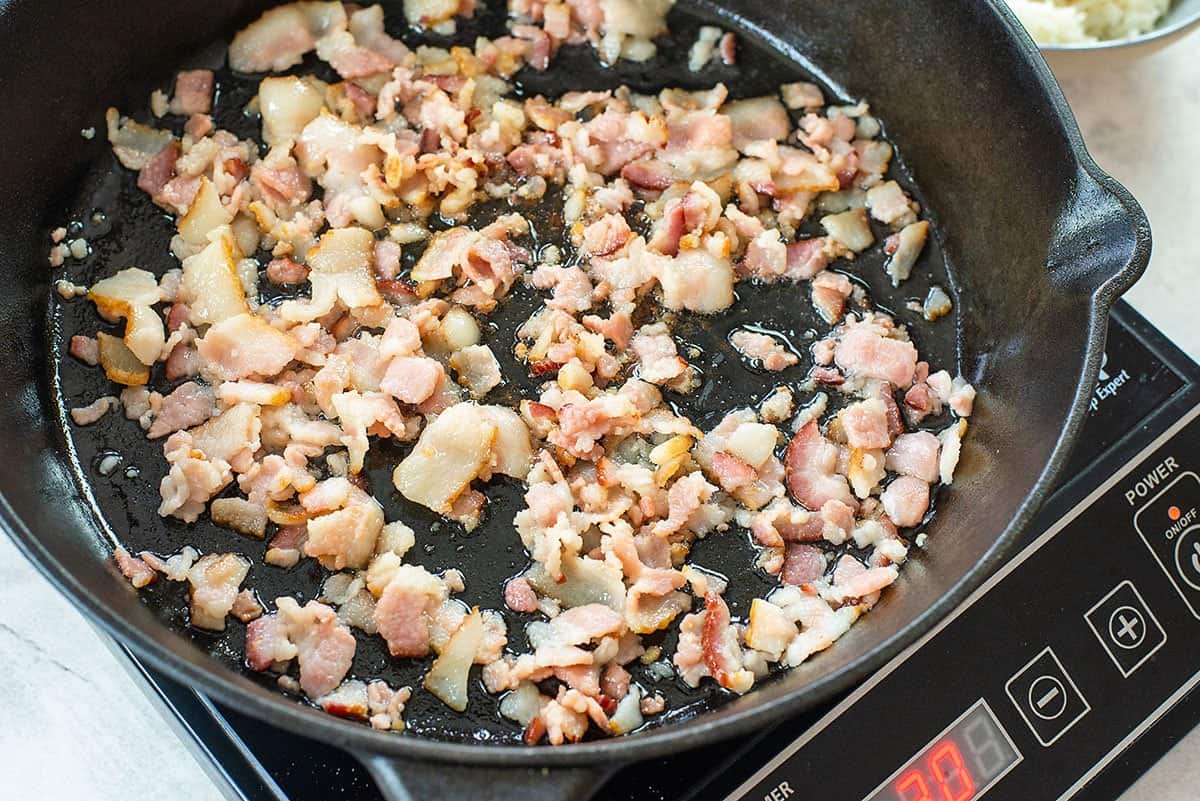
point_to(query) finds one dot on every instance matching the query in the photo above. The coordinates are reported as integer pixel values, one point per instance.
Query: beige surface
(74, 726)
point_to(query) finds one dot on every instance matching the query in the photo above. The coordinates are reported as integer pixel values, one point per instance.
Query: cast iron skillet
(1038, 240)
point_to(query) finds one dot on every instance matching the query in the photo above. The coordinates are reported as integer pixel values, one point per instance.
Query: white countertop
(73, 725)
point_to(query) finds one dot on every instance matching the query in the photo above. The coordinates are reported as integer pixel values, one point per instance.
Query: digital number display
(960, 764)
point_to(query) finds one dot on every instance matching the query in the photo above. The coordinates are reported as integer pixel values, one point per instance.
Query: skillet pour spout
(1039, 241)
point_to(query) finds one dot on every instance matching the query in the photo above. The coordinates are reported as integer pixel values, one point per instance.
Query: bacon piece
(649, 174)
(280, 181)
(137, 571)
(87, 415)
(722, 655)
(806, 258)
(852, 581)
(756, 120)
(184, 362)
(214, 581)
(86, 349)
(403, 611)
(659, 361)
(246, 345)
(763, 348)
(866, 424)
(829, 293)
(766, 256)
(728, 49)
(189, 405)
(283, 271)
(519, 596)
(863, 351)
(312, 635)
(387, 259)
(412, 379)
(915, 455)
(802, 564)
(198, 126)
(607, 235)
(193, 92)
(732, 472)
(906, 500)
(811, 461)
(159, 170)
(611, 133)
(180, 191)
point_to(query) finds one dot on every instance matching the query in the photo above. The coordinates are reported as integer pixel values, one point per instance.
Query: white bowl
(1182, 19)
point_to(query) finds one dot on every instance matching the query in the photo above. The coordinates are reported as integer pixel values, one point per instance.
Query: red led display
(943, 776)
(960, 764)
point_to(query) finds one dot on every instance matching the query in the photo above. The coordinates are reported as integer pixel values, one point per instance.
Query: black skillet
(1033, 240)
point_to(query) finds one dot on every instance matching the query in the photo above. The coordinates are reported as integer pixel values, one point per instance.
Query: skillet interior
(971, 143)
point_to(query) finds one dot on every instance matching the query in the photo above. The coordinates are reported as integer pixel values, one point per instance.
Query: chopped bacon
(658, 359)
(519, 596)
(728, 49)
(765, 349)
(852, 581)
(802, 564)
(649, 174)
(664, 204)
(363, 100)
(137, 571)
(829, 293)
(312, 635)
(906, 500)
(618, 328)
(403, 610)
(86, 349)
(245, 346)
(193, 92)
(387, 259)
(811, 461)
(863, 351)
(915, 455)
(284, 271)
(732, 472)
(866, 424)
(198, 126)
(412, 379)
(189, 405)
(806, 258)
(722, 655)
(606, 235)
(184, 362)
(159, 170)
(87, 415)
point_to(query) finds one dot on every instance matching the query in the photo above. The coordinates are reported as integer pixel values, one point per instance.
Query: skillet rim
(238, 691)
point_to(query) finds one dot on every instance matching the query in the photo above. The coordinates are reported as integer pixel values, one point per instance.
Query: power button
(1187, 557)
(1170, 526)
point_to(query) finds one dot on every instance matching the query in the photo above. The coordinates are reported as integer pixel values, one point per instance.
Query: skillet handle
(407, 780)
(1102, 245)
